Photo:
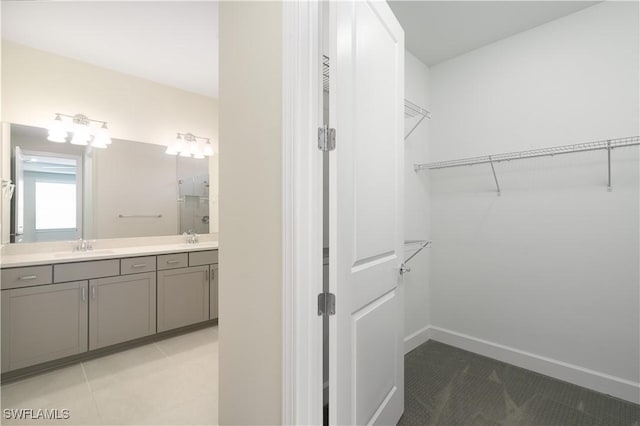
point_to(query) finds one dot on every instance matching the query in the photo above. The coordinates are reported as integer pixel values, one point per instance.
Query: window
(55, 205)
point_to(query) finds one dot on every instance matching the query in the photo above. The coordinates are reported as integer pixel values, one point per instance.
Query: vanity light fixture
(84, 132)
(190, 145)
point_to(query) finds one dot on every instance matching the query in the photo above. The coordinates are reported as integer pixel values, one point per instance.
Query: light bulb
(57, 130)
(57, 136)
(104, 132)
(208, 149)
(79, 139)
(179, 144)
(81, 135)
(185, 153)
(98, 142)
(171, 149)
(194, 148)
(101, 139)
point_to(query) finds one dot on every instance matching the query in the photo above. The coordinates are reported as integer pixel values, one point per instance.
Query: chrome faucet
(83, 245)
(192, 237)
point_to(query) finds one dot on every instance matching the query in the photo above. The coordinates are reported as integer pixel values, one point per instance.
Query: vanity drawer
(26, 277)
(197, 258)
(85, 270)
(135, 265)
(172, 261)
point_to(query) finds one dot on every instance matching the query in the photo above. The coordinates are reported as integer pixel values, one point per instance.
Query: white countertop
(47, 258)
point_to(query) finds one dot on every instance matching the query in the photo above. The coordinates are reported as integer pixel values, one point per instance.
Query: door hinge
(326, 304)
(326, 138)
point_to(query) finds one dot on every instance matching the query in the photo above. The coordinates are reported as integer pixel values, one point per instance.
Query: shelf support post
(494, 175)
(609, 189)
(414, 127)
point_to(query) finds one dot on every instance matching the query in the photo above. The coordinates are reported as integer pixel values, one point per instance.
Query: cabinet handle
(206, 275)
(138, 265)
(84, 294)
(93, 292)
(172, 262)
(27, 278)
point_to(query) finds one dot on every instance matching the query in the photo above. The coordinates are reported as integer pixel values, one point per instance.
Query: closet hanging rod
(533, 153)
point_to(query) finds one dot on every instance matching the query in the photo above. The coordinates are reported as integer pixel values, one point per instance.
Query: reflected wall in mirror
(130, 189)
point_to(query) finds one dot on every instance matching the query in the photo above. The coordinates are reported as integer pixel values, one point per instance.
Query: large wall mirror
(130, 189)
(83, 59)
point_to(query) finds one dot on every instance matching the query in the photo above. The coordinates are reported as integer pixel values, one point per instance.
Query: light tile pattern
(169, 382)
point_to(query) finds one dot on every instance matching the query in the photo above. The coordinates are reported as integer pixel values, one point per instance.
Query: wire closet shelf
(542, 152)
(607, 144)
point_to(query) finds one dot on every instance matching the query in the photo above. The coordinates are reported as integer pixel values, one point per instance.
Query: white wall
(250, 213)
(549, 270)
(133, 178)
(417, 214)
(37, 84)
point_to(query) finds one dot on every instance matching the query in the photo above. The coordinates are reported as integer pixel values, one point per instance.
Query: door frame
(302, 381)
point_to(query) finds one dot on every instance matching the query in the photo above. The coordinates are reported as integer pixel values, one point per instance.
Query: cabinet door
(121, 308)
(183, 297)
(213, 292)
(43, 323)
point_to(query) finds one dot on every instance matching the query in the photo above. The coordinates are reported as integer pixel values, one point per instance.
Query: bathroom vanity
(61, 306)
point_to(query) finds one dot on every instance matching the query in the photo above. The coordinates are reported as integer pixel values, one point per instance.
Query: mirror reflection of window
(48, 204)
(55, 205)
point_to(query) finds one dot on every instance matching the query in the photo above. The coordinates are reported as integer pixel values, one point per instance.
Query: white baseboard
(601, 382)
(416, 339)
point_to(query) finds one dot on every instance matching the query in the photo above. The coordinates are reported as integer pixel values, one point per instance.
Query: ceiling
(176, 42)
(169, 42)
(439, 30)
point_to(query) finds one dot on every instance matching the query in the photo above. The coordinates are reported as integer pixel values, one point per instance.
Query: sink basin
(83, 253)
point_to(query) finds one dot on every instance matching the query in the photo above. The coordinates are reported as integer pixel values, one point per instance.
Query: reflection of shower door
(194, 204)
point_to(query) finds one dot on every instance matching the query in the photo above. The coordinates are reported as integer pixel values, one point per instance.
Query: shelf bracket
(609, 189)
(414, 127)
(494, 176)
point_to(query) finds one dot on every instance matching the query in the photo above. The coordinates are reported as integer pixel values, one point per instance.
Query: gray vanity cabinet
(210, 259)
(121, 308)
(43, 323)
(183, 297)
(58, 310)
(213, 292)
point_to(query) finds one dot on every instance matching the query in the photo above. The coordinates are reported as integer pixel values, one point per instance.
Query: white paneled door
(366, 233)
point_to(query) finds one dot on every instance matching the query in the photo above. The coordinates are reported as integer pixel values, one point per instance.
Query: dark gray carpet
(449, 386)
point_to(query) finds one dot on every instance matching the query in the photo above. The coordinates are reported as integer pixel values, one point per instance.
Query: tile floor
(173, 381)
